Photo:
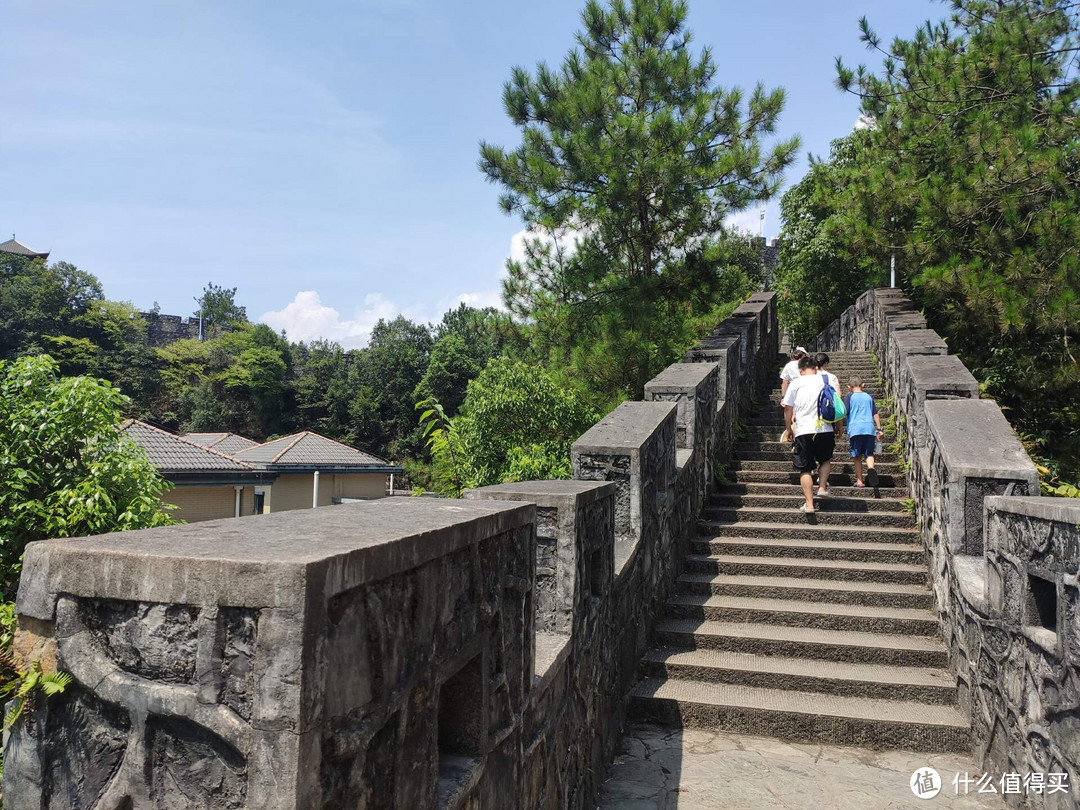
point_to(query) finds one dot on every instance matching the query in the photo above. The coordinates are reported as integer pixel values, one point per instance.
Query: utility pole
(892, 257)
(199, 302)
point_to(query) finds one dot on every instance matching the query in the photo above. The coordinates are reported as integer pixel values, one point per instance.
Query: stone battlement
(1003, 564)
(401, 653)
(161, 330)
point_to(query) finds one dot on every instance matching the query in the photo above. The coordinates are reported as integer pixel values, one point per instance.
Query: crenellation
(400, 653)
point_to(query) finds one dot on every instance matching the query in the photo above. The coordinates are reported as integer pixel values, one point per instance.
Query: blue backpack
(830, 405)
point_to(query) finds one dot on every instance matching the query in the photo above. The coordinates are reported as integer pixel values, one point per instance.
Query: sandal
(806, 511)
(860, 484)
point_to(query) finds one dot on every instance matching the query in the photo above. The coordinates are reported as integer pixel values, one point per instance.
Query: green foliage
(65, 469)
(516, 424)
(38, 301)
(820, 275)
(218, 307)
(437, 430)
(630, 158)
(720, 473)
(908, 505)
(23, 687)
(971, 171)
(237, 381)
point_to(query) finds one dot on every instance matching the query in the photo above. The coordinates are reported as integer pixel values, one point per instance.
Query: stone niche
(368, 654)
(1025, 655)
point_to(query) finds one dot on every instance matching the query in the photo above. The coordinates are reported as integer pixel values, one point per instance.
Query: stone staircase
(815, 628)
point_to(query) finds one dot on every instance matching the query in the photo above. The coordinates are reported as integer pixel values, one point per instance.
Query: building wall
(370, 485)
(292, 492)
(209, 502)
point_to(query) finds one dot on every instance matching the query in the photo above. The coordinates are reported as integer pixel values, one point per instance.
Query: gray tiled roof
(308, 449)
(19, 249)
(171, 453)
(227, 443)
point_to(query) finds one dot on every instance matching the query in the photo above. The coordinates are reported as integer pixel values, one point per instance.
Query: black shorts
(812, 449)
(862, 445)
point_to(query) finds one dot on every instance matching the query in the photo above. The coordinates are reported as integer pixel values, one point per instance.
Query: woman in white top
(791, 370)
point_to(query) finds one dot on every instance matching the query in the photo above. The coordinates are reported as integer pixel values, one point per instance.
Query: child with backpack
(864, 430)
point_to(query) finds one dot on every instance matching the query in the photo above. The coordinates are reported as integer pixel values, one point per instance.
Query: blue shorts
(862, 445)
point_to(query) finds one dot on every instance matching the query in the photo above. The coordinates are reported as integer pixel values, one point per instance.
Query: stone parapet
(404, 653)
(1003, 563)
(575, 521)
(300, 659)
(633, 446)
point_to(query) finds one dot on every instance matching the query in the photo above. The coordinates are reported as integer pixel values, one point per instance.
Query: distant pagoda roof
(19, 249)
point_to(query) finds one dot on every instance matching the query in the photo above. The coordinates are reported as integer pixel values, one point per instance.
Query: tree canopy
(65, 468)
(631, 156)
(969, 171)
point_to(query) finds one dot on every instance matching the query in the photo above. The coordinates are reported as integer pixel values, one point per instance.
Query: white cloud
(748, 221)
(865, 121)
(307, 318)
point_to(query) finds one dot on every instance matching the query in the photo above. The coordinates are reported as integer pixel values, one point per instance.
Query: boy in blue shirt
(864, 429)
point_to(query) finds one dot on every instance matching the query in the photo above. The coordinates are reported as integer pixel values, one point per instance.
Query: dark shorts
(862, 446)
(812, 449)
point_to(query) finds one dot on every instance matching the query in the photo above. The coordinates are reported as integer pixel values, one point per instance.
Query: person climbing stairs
(809, 627)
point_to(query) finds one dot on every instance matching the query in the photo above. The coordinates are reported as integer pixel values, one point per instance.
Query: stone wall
(1003, 563)
(161, 330)
(401, 653)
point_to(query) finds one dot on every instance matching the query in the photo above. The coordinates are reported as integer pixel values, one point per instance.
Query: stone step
(830, 517)
(912, 554)
(921, 684)
(874, 390)
(840, 454)
(836, 479)
(840, 465)
(802, 716)
(793, 613)
(803, 642)
(772, 444)
(772, 415)
(840, 494)
(885, 594)
(805, 568)
(793, 500)
(806, 529)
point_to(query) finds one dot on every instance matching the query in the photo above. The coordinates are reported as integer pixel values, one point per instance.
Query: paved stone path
(694, 769)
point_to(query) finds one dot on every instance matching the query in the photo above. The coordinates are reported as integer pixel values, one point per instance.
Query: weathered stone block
(285, 656)
(724, 351)
(693, 388)
(633, 446)
(925, 378)
(582, 531)
(980, 456)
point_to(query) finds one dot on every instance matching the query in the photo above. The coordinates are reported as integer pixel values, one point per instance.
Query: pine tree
(630, 158)
(971, 171)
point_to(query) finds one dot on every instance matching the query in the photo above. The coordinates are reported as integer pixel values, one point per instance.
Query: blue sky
(321, 156)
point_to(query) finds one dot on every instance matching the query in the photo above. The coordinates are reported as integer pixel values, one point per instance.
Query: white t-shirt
(834, 381)
(790, 371)
(802, 395)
